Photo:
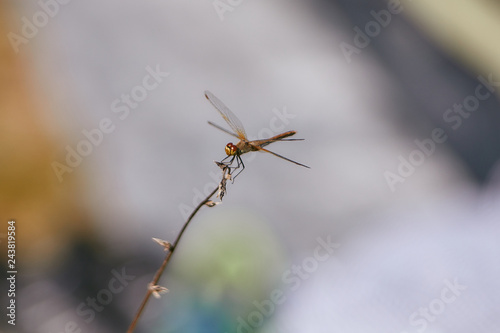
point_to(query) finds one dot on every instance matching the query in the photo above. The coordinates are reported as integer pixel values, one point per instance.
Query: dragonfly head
(231, 149)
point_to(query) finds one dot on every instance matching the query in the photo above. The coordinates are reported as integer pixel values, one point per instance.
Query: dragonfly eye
(231, 149)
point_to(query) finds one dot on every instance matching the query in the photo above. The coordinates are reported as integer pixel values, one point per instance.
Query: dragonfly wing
(223, 129)
(228, 116)
(283, 157)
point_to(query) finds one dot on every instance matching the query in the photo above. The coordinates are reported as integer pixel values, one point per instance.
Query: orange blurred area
(47, 214)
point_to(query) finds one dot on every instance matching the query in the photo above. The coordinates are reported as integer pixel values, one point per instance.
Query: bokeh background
(419, 254)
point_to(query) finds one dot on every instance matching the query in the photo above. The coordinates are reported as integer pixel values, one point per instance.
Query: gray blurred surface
(261, 60)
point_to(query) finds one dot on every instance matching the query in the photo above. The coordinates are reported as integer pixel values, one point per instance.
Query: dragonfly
(234, 151)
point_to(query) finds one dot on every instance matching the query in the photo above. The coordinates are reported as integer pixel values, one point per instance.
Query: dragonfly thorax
(231, 149)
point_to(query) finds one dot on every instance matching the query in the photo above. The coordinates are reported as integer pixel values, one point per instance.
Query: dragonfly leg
(239, 164)
(225, 158)
(240, 161)
(228, 164)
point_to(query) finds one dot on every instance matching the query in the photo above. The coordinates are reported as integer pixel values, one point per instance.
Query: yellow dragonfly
(234, 151)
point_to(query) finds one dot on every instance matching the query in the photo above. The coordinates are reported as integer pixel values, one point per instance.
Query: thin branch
(226, 174)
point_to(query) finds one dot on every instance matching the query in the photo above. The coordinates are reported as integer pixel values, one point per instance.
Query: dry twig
(153, 287)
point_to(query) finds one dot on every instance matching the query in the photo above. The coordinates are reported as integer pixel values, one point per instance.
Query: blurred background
(105, 144)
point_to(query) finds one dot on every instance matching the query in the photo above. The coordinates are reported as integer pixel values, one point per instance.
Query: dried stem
(226, 171)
